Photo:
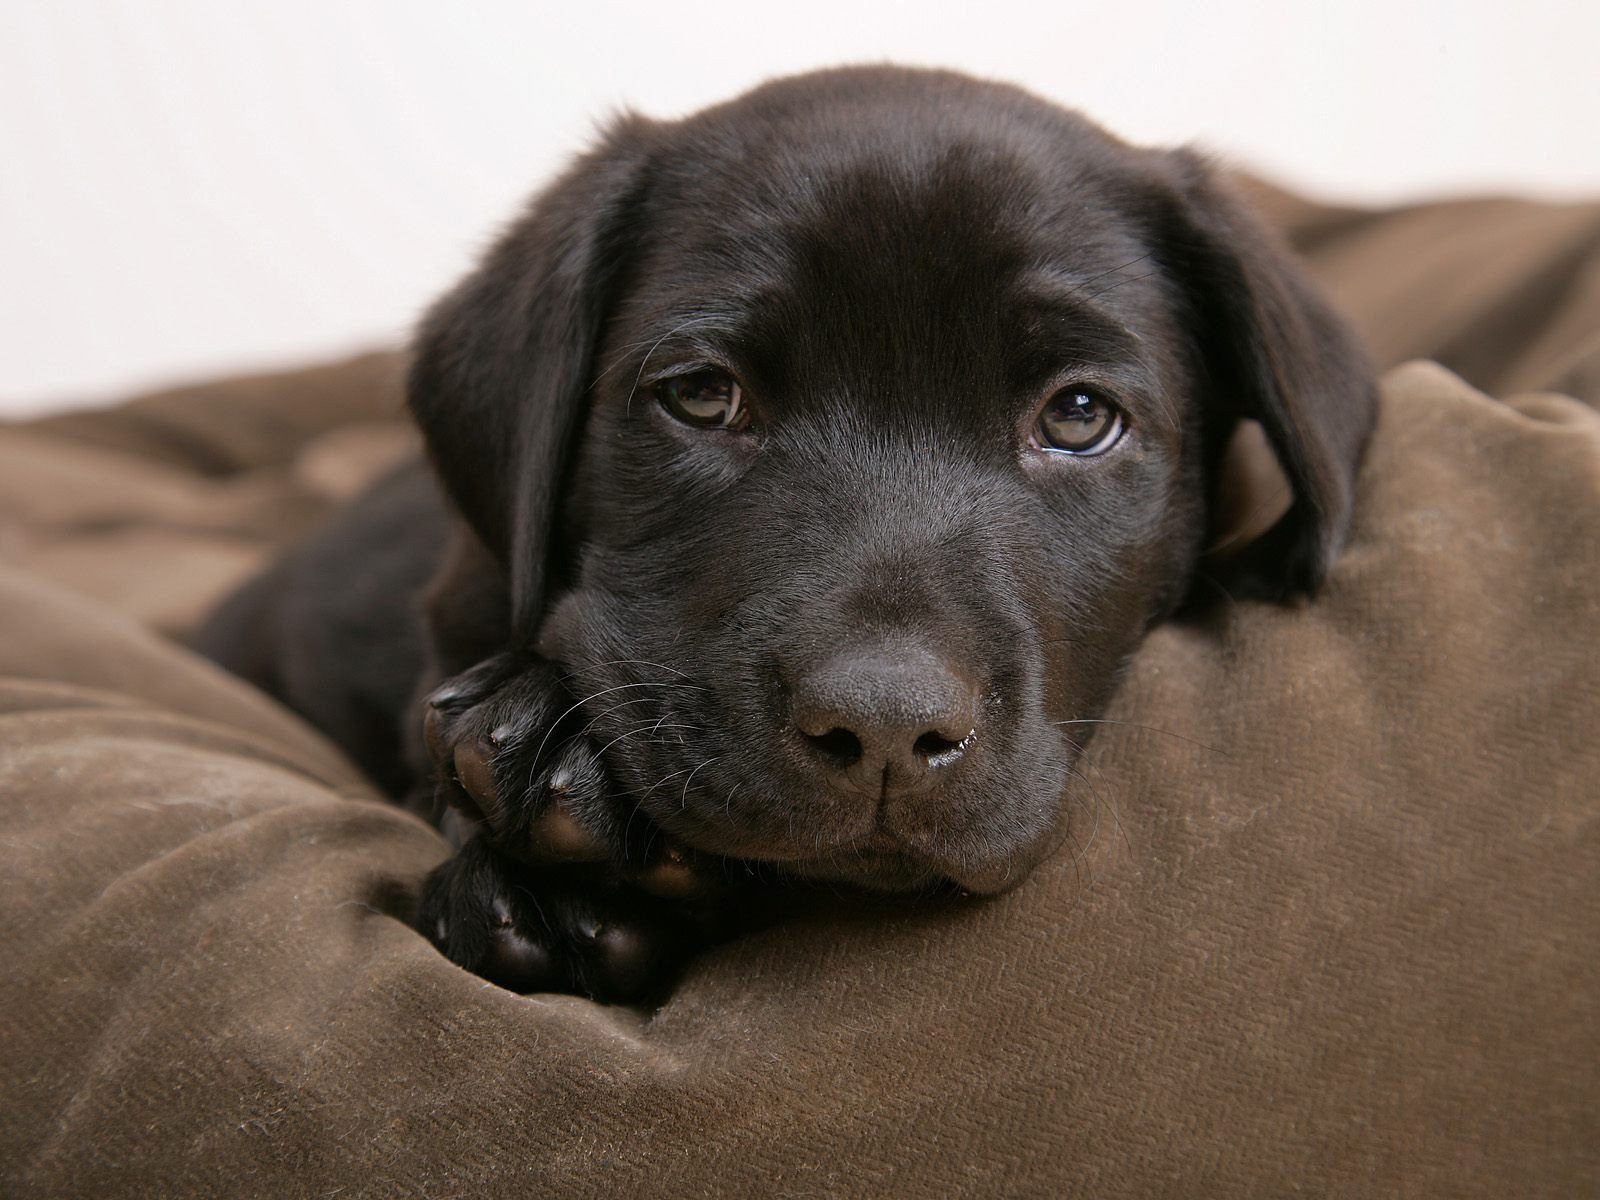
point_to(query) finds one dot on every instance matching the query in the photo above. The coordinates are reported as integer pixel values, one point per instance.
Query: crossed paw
(558, 884)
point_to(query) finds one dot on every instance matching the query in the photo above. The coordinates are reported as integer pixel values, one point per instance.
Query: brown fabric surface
(1504, 292)
(244, 422)
(159, 535)
(1330, 923)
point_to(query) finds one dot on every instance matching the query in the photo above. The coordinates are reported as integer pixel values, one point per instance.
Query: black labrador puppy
(811, 467)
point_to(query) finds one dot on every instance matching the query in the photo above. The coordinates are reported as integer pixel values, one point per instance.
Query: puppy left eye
(707, 399)
(1078, 421)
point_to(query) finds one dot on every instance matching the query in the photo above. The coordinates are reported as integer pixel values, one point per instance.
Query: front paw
(513, 760)
(531, 930)
(507, 751)
(559, 884)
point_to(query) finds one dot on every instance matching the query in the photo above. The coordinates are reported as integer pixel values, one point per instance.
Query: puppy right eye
(707, 399)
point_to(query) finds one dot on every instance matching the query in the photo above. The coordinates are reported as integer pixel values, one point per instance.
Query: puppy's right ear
(1274, 351)
(502, 363)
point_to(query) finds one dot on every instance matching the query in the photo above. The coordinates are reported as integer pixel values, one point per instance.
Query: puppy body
(767, 543)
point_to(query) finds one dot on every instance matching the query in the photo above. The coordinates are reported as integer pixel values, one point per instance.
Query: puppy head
(845, 439)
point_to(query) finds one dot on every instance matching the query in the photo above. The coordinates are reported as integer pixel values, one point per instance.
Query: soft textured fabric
(1328, 923)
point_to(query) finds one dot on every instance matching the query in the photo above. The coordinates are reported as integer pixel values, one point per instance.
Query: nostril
(933, 746)
(838, 746)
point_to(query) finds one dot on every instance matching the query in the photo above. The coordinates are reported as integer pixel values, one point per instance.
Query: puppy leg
(557, 885)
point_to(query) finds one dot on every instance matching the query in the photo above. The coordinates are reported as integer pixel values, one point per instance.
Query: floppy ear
(1274, 351)
(502, 363)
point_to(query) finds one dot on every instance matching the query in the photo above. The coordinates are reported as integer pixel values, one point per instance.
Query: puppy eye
(1078, 421)
(707, 399)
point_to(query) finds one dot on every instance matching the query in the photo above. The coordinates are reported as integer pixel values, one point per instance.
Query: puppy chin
(873, 872)
(866, 852)
(881, 862)
(873, 861)
(898, 873)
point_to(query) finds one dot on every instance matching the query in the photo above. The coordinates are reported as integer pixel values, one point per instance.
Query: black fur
(656, 627)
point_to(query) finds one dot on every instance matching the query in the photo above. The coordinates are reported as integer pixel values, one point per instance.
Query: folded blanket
(1328, 922)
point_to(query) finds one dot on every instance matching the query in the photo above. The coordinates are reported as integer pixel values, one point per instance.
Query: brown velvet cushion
(1329, 923)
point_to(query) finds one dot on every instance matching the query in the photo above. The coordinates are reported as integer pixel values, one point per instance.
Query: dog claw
(447, 695)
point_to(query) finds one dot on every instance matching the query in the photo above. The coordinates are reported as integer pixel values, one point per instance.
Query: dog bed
(1328, 921)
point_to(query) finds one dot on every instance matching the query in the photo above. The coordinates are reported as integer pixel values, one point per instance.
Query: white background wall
(193, 185)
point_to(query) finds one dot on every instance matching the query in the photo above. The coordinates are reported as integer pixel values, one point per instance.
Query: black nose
(884, 717)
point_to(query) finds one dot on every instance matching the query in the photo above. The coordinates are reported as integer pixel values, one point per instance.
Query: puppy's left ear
(1274, 351)
(502, 364)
